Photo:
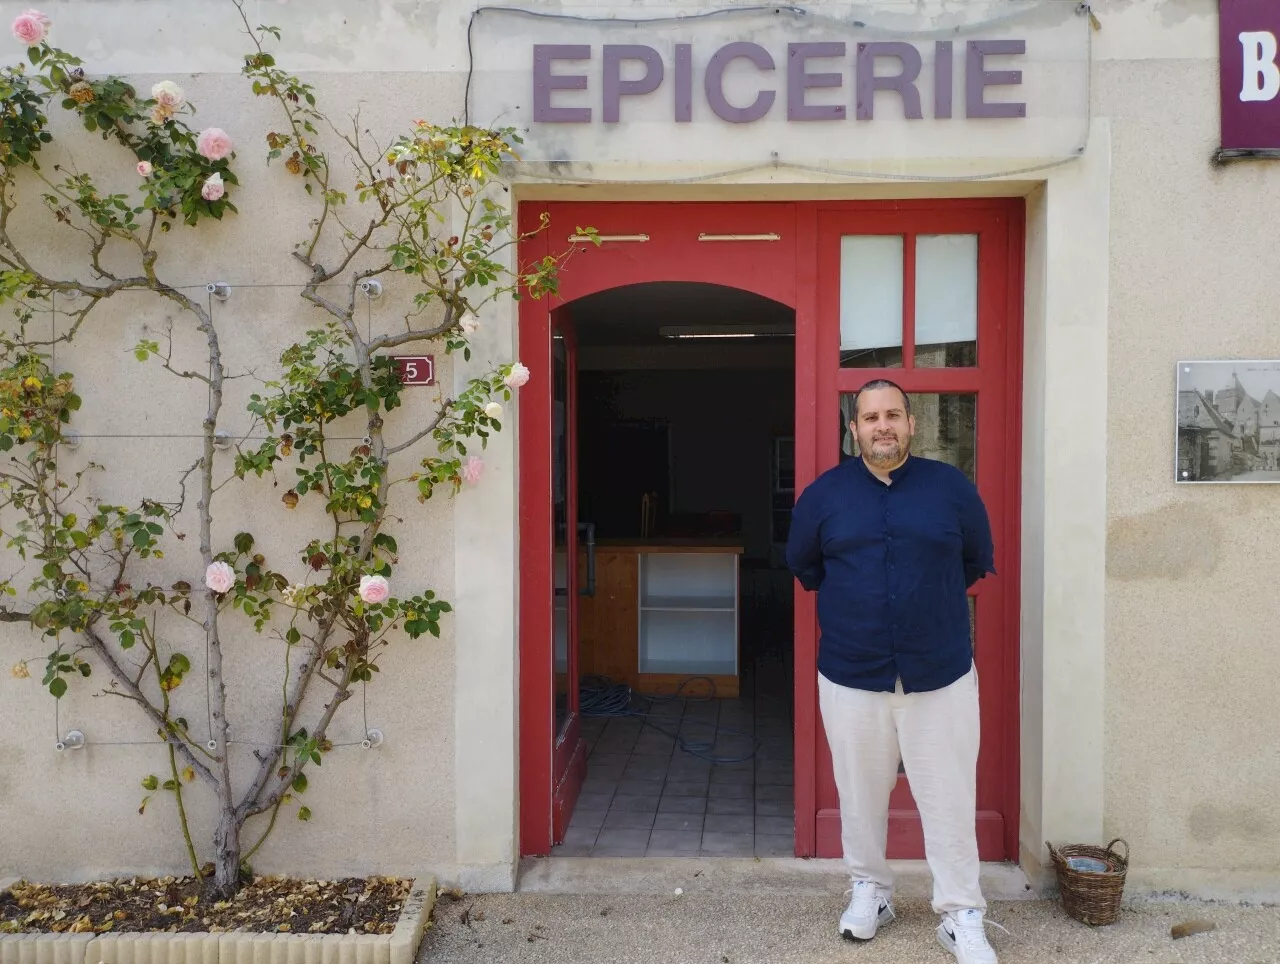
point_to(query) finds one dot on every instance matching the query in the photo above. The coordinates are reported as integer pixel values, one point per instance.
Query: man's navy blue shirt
(891, 564)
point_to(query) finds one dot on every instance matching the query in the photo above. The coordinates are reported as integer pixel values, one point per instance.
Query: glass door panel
(871, 272)
(946, 286)
(565, 530)
(908, 296)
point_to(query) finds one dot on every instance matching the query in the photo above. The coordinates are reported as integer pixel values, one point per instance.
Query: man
(891, 542)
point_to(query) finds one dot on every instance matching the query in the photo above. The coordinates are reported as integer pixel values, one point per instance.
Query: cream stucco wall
(1147, 703)
(1191, 708)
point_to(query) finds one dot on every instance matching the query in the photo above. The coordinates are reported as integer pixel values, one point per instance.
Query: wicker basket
(1091, 896)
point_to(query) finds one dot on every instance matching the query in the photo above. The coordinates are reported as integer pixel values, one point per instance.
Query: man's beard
(884, 455)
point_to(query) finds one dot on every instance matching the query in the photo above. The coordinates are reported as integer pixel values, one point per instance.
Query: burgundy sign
(570, 67)
(1249, 58)
(416, 369)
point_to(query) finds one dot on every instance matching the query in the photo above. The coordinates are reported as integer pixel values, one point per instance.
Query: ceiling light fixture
(726, 331)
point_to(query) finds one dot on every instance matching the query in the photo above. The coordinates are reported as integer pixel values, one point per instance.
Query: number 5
(411, 371)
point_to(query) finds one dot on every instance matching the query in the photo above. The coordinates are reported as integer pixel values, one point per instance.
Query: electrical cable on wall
(599, 696)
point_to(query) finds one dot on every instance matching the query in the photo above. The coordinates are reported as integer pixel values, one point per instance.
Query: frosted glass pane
(946, 300)
(666, 575)
(871, 301)
(688, 642)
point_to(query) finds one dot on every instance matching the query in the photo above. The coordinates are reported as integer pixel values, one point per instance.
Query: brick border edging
(239, 947)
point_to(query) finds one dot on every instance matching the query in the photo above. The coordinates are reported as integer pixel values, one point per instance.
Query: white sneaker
(867, 910)
(961, 932)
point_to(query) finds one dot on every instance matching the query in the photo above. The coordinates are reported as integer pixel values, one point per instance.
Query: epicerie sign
(799, 74)
(1249, 55)
(1000, 83)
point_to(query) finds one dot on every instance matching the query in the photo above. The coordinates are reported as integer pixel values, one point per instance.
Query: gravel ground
(776, 928)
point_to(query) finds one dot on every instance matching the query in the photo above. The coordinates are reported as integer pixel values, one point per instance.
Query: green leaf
(58, 687)
(244, 542)
(304, 813)
(300, 783)
(151, 782)
(293, 636)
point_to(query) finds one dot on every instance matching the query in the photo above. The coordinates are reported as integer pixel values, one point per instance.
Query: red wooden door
(926, 294)
(569, 751)
(792, 254)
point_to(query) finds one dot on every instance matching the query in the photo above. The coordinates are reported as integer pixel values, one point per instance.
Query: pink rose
(518, 376)
(374, 589)
(30, 28)
(213, 143)
(472, 469)
(144, 169)
(220, 577)
(213, 188)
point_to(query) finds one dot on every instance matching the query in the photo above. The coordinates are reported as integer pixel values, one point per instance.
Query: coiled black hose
(599, 696)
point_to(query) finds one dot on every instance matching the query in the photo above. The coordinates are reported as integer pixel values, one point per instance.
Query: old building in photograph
(1227, 434)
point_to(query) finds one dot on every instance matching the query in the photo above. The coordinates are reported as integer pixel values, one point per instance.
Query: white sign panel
(998, 83)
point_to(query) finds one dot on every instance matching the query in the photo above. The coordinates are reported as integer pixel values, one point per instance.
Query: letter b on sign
(1261, 74)
(1249, 75)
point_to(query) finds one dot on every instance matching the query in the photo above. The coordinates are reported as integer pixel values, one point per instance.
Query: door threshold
(739, 875)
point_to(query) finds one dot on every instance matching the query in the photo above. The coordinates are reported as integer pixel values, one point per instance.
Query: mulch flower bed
(355, 905)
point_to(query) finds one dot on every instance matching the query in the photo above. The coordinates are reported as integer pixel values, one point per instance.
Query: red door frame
(786, 270)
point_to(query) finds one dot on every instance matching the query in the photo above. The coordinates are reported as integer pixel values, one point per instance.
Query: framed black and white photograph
(1228, 421)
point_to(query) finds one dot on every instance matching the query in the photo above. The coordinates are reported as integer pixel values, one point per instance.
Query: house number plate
(416, 369)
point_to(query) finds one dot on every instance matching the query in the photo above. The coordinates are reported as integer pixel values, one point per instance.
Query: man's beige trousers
(935, 735)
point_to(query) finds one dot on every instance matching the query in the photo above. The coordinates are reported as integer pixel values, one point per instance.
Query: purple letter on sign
(904, 83)
(684, 83)
(544, 82)
(977, 78)
(942, 79)
(615, 88)
(800, 80)
(715, 83)
(1249, 65)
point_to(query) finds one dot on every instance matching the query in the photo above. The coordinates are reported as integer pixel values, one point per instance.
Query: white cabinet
(689, 613)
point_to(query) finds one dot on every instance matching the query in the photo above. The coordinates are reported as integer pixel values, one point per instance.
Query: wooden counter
(664, 610)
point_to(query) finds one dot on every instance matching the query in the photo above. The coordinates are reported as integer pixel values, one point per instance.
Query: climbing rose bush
(323, 592)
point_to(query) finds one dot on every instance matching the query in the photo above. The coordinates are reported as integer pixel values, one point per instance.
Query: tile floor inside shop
(644, 796)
